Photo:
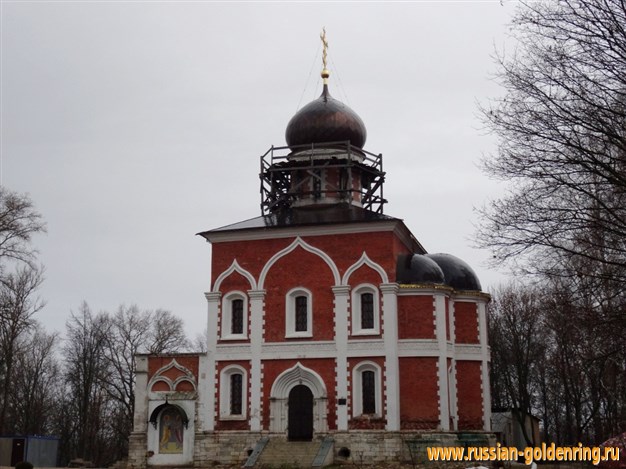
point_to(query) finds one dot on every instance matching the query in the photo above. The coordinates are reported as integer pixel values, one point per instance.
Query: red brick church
(328, 322)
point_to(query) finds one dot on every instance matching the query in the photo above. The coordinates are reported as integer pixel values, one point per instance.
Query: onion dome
(325, 120)
(418, 268)
(457, 273)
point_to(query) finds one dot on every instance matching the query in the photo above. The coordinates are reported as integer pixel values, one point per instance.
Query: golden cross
(325, 72)
(325, 45)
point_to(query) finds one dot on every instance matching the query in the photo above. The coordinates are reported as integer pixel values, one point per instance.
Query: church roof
(325, 120)
(333, 214)
(339, 214)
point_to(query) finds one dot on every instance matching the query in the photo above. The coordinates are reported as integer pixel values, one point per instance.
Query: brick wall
(466, 322)
(419, 399)
(416, 318)
(469, 395)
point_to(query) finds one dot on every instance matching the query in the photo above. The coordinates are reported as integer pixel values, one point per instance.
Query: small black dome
(418, 268)
(458, 274)
(325, 120)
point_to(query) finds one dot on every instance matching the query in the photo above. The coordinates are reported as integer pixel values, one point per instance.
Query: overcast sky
(135, 125)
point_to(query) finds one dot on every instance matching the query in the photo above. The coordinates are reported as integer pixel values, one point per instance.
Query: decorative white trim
(392, 365)
(365, 260)
(484, 366)
(443, 380)
(225, 375)
(298, 374)
(279, 397)
(213, 307)
(298, 242)
(357, 388)
(355, 306)
(468, 352)
(342, 296)
(234, 267)
(454, 408)
(158, 376)
(418, 348)
(165, 459)
(227, 316)
(257, 299)
(290, 232)
(290, 313)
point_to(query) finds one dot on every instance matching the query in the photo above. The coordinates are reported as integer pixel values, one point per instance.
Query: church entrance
(300, 418)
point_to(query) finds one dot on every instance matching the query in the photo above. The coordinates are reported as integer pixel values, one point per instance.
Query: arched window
(302, 313)
(236, 321)
(236, 394)
(365, 310)
(234, 316)
(367, 390)
(233, 396)
(298, 313)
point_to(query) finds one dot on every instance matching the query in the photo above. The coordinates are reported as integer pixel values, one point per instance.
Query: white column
(390, 334)
(342, 295)
(442, 363)
(484, 353)
(141, 394)
(213, 299)
(454, 410)
(257, 298)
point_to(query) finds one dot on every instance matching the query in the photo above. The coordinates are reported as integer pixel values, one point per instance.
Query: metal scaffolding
(292, 173)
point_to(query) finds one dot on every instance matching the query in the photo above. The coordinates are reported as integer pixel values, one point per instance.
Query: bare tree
(33, 391)
(19, 221)
(85, 364)
(201, 342)
(562, 139)
(128, 335)
(167, 333)
(18, 304)
(517, 348)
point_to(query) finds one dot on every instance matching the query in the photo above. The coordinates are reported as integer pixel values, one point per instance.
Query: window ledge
(233, 417)
(298, 335)
(235, 337)
(366, 332)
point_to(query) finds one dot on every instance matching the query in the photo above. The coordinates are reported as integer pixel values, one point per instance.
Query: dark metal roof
(334, 214)
(417, 268)
(325, 120)
(458, 274)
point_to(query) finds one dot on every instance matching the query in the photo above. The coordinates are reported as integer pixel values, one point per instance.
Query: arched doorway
(300, 418)
(284, 416)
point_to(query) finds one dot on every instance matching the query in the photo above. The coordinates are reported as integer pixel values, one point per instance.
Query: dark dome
(417, 268)
(325, 120)
(458, 274)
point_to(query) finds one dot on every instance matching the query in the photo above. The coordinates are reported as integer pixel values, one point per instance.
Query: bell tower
(324, 164)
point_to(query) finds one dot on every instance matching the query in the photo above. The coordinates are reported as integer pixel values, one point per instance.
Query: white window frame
(357, 329)
(225, 393)
(357, 389)
(227, 315)
(290, 313)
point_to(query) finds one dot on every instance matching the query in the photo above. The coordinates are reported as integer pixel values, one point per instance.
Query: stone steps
(280, 452)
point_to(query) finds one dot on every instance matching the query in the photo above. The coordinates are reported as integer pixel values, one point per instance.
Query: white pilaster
(342, 295)
(442, 363)
(141, 394)
(257, 299)
(213, 299)
(392, 375)
(484, 352)
(452, 389)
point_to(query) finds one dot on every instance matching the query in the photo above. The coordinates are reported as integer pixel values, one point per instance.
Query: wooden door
(300, 426)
